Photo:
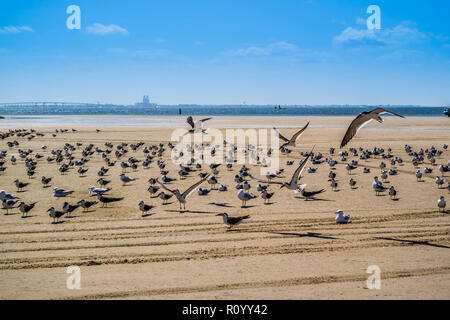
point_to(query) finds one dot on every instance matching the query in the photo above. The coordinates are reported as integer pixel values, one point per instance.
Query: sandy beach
(288, 249)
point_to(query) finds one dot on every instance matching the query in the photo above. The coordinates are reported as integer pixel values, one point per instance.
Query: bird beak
(93, 195)
(282, 186)
(49, 209)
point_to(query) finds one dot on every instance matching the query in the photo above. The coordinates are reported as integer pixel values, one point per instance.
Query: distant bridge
(50, 104)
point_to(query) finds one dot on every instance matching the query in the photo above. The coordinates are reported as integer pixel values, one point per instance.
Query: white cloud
(271, 49)
(15, 29)
(102, 30)
(402, 34)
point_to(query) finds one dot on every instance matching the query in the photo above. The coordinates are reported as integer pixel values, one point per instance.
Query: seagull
(223, 188)
(58, 192)
(20, 185)
(197, 126)
(293, 139)
(342, 218)
(144, 208)
(334, 184)
(55, 214)
(349, 168)
(86, 204)
(7, 196)
(377, 185)
(362, 119)
(182, 197)
(441, 204)
(125, 179)
(26, 208)
(93, 191)
(8, 204)
(419, 175)
(439, 182)
(352, 183)
(309, 194)
(392, 192)
(293, 184)
(245, 196)
(233, 221)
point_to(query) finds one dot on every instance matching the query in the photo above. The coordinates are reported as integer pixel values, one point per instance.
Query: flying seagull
(362, 119)
(197, 126)
(293, 139)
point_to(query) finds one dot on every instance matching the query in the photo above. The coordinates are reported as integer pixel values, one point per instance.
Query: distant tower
(146, 100)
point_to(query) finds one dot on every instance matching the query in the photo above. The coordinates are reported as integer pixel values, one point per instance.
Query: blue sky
(226, 52)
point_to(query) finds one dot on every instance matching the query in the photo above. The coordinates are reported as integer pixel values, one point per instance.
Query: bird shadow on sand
(244, 207)
(236, 230)
(308, 234)
(426, 243)
(315, 199)
(26, 217)
(396, 199)
(224, 205)
(147, 215)
(269, 203)
(192, 211)
(11, 213)
(22, 191)
(58, 222)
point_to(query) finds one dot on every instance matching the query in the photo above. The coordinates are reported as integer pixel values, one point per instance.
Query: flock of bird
(160, 187)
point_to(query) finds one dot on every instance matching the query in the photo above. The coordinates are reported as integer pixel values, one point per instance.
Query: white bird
(377, 185)
(362, 119)
(125, 179)
(4, 195)
(245, 196)
(93, 191)
(341, 217)
(8, 204)
(441, 204)
(59, 192)
(197, 126)
(293, 139)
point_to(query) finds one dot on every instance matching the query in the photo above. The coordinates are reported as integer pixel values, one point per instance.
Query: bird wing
(162, 185)
(357, 123)
(264, 181)
(193, 187)
(191, 122)
(299, 133)
(300, 168)
(280, 135)
(382, 110)
(199, 123)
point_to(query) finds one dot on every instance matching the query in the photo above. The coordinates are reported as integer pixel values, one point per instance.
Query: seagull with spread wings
(197, 126)
(182, 197)
(293, 139)
(362, 119)
(293, 184)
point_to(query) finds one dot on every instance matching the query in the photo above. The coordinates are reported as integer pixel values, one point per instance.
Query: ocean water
(202, 110)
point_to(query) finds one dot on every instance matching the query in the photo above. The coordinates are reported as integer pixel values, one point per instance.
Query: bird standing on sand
(68, 208)
(309, 195)
(439, 182)
(362, 119)
(392, 192)
(86, 204)
(164, 197)
(245, 196)
(26, 208)
(342, 218)
(20, 185)
(419, 175)
(106, 200)
(377, 185)
(55, 214)
(59, 192)
(441, 204)
(352, 183)
(93, 191)
(144, 208)
(9, 204)
(232, 221)
(45, 181)
(266, 195)
(125, 179)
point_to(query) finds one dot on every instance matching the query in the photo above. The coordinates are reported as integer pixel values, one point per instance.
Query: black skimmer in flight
(362, 119)
(182, 197)
(293, 139)
(232, 221)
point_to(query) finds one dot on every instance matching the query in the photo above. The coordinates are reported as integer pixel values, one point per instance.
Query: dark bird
(68, 208)
(309, 194)
(232, 221)
(20, 185)
(26, 208)
(106, 200)
(55, 214)
(86, 204)
(144, 208)
(362, 119)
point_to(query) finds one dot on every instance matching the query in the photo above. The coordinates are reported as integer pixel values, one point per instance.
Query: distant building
(145, 102)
